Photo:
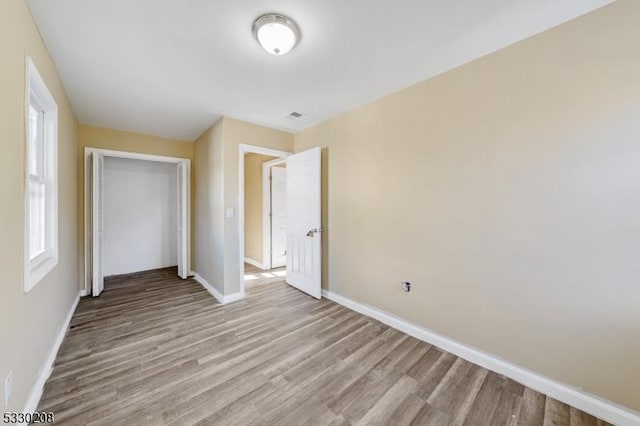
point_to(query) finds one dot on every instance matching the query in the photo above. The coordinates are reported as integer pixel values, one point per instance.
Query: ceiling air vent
(294, 115)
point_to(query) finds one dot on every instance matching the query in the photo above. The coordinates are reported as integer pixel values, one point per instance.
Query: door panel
(97, 220)
(278, 216)
(304, 241)
(183, 220)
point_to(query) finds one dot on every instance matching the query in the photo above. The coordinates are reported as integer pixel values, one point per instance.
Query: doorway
(264, 218)
(275, 213)
(140, 216)
(125, 208)
(303, 234)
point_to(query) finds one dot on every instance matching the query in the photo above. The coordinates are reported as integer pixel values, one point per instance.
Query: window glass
(37, 206)
(41, 191)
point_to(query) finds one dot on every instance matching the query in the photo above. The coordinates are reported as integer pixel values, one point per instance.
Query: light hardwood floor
(154, 349)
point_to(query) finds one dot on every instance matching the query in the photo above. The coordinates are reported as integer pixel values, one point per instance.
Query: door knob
(313, 231)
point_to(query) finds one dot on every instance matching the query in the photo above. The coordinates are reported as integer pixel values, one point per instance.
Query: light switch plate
(229, 213)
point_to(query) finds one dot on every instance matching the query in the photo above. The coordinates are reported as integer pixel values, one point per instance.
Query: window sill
(37, 269)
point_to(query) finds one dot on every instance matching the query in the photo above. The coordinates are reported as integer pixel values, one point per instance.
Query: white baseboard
(233, 297)
(215, 293)
(594, 405)
(255, 263)
(36, 391)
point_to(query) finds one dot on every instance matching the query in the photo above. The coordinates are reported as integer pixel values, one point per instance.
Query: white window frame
(36, 268)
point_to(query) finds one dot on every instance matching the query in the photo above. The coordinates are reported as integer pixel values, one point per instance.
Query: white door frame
(87, 196)
(266, 210)
(97, 227)
(243, 150)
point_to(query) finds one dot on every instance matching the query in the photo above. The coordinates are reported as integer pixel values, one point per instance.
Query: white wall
(140, 215)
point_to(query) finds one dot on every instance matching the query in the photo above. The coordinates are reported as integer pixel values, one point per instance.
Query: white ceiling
(173, 67)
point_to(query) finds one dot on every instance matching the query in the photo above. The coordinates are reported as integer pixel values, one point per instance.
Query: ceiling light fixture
(276, 33)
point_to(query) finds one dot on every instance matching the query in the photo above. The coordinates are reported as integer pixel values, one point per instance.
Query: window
(41, 189)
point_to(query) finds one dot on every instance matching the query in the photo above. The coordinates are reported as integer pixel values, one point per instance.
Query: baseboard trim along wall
(47, 368)
(233, 298)
(215, 293)
(254, 263)
(596, 406)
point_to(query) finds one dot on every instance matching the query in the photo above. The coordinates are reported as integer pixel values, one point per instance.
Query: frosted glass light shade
(277, 34)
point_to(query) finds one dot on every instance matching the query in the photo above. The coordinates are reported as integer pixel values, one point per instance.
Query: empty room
(359, 212)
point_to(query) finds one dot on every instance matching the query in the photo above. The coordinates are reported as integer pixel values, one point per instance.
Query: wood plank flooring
(156, 350)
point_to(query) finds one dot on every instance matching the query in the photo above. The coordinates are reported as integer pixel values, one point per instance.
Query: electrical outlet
(8, 388)
(406, 286)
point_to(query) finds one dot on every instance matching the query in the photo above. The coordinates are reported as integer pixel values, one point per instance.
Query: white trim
(233, 298)
(136, 155)
(255, 263)
(275, 162)
(594, 405)
(97, 223)
(183, 191)
(215, 293)
(266, 215)
(211, 289)
(47, 368)
(87, 214)
(35, 270)
(245, 149)
(266, 211)
(87, 195)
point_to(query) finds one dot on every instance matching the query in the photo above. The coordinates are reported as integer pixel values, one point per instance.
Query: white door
(97, 219)
(183, 220)
(304, 246)
(278, 216)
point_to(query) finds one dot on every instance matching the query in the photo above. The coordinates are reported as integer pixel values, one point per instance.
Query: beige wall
(217, 177)
(508, 192)
(30, 322)
(253, 218)
(208, 259)
(118, 140)
(238, 132)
